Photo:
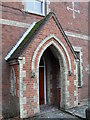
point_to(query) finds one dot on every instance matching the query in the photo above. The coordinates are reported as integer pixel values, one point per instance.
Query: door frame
(45, 101)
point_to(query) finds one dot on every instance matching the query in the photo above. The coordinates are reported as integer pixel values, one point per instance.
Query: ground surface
(52, 113)
(56, 115)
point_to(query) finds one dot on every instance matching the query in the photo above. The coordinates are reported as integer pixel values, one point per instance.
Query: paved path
(78, 111)
(52, 113)
(56, 114)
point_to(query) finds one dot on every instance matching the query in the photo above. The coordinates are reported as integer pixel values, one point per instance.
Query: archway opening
(50, 78)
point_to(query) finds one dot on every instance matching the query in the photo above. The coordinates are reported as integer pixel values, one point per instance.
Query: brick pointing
(31, 92)
(11, 34)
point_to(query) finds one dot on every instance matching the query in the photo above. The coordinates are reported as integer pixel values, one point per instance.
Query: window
(78, 51)
(78, 69)
(35, 6)
(12, 82)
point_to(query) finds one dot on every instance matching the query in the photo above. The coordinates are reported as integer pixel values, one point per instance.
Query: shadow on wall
(13, 108)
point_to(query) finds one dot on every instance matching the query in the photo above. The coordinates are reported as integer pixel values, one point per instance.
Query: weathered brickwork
(82, 91)
(26, 69)
(81, 20)
(32, 90)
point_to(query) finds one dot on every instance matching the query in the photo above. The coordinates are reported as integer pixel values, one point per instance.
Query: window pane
(29, 5)
(35, 6)
(38, 6)
(79, 74)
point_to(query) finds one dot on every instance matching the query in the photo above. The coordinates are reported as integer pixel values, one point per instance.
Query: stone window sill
(35, 13)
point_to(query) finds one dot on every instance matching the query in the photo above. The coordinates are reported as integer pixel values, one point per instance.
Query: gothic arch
(42, 43)
(61, 58)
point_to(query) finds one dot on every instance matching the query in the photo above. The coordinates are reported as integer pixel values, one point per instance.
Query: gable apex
(16, 51)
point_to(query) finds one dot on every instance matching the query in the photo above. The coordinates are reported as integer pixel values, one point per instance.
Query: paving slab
(52, 113)
(57, 114)
(78, 111)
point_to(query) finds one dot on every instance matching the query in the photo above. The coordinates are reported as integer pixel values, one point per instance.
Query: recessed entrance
(49, 79)
(56, 59)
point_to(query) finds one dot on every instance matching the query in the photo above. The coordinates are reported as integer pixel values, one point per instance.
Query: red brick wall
(83, 91)
(11, 34)
(10, 103)
(79, 24)
(14, 107)
(28, 53)
(18, 15)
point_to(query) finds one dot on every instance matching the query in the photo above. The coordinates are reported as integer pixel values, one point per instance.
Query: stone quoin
(44, 56)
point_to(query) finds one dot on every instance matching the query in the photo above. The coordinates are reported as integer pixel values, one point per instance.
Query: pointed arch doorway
(49, 78)
(60, 53)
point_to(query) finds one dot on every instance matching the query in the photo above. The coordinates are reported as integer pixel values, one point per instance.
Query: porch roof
(30, 34)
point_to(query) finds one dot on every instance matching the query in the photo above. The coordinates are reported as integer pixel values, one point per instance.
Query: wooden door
(41, 85)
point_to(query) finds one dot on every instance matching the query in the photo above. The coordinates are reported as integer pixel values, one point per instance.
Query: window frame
(34, 12)
(79, 49)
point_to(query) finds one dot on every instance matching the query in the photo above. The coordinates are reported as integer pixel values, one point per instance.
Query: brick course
(11, 34)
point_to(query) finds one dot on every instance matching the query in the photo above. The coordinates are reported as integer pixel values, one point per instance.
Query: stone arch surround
(42, 43)
(63, 57)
